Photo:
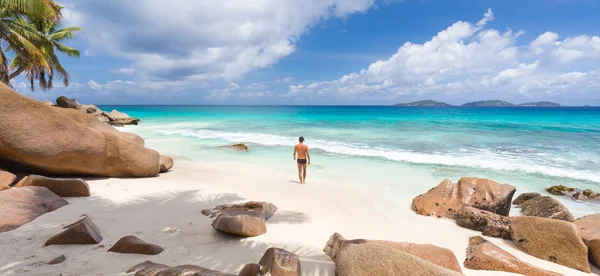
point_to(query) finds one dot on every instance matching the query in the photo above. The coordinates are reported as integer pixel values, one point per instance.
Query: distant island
(491, 103)
(424, 103)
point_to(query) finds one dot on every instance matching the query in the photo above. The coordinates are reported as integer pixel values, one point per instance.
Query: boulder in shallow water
(166, 163)
(134, 245)
(447, 198)
(149, 268)
(65, 187)
(484, 255)
(241, 147)
(589, 227)
(64, 141)
(431, 253)
(546, 207)
(280, 262)
(524, 197)
(491, 224)
(20, 206)
(246, 219)
(553, 240)
(84, 231)
(6, 179)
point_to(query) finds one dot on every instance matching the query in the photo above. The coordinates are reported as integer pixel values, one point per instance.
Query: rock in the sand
(553, 240)
(149, 268)
(491, 224)
(6, 179)
(65, 102)
(524, 197)
(447, 198)
(246, 219)
(134, 245)
(280, 262)
(546, 207)
(166, 163)
(241, 147)
(589, 226)
(64, 187)
(484, 255)
(20, 206)
(57, 260)
(64, 141)
(250, 270)
(121, 118)
(439, 256)
(84, 231)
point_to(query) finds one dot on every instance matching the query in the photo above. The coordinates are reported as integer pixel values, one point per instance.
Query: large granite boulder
(149, 268)
(246, 219)
(20, 206)
(120, 118)
(65, 187)
(280, 262)
(447, 198)
(250, 270)
(134, 245)
(484, 255)
(589, 227)
(66, 141)
(491, 224)
(524, 197)
(6, 179)
(166, 163)
(546, 207)
(66, 102)
(431, 253)
(84, 231)
(553, 240)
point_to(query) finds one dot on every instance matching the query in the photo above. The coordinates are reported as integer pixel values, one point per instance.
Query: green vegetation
(424, 103)
(493, 103)
(30, 38)
(541, 104)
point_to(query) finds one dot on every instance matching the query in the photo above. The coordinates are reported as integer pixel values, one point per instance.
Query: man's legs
(300, 173)
(304, 170)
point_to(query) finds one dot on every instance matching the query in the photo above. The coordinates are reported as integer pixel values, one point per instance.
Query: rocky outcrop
(64, 187)
(20, 206)
(250, 270)
(246, 220)
(447, 198)
(6, 179)
(546, 207)
(115, 117)
(64, 141)
(280, 262)
(84, 231)
(65, 102)
(524, 197)
(149, 268)
(134, 245)
(431, 253)
(589, 227)
(166, 163)
(121, 119)
(491, 224)
(553, 240)
(574, 193)
(484, 255)
(241, 147)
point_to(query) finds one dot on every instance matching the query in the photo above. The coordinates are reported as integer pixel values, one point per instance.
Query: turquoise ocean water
(531, 148)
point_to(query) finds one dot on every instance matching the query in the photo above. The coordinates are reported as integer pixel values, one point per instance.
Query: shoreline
(165, 210)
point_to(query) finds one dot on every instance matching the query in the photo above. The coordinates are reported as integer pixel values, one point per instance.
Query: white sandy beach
(166, 211)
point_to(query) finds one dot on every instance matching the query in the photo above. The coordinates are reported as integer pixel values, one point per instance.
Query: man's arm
(308, 155)
(295, 149)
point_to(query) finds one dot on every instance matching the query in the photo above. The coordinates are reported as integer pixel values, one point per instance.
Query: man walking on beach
(303, 157)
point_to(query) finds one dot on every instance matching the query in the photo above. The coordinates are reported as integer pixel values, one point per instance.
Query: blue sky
(331, 51)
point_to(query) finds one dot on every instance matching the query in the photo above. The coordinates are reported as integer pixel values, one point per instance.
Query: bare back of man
(303, 159)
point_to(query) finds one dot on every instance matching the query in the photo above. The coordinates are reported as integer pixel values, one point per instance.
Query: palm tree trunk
(4, 76)
(17, 72)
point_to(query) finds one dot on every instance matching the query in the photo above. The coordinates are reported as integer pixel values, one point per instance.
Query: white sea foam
(463, 157)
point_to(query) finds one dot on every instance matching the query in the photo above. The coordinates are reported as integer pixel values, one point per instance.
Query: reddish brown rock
(133, 137)
(447, 198)
(546, 207)
(6, 179)
(166, 163)
(589, 227)
(64, 187)
(242, 219)
(149, 268)
(279, 262)
(65, 141)
(491, 224)
(440, 256)
(84, 231)
(134, 245)
(20, 206)
(553, 240)
(524, 197)
(250, 270)
(484, 255)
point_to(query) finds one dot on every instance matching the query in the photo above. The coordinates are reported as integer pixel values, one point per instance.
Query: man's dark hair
(301, 138)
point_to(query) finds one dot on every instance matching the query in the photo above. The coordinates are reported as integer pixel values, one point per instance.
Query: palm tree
(52, 39)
